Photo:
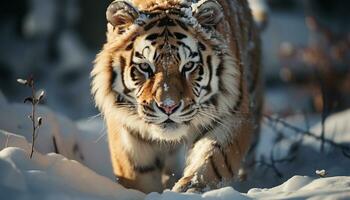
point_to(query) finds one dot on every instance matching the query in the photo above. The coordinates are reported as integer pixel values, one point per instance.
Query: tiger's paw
(188, 184)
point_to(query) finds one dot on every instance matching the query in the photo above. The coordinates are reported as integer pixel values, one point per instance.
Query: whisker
(216, 119)
(235, 114)
(102, 133)
(93, 117)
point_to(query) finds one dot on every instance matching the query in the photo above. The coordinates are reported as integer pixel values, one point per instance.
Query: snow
(53, 175)
(302, 187)
(82, 169)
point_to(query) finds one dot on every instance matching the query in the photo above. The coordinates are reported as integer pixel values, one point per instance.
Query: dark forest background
(306, 53)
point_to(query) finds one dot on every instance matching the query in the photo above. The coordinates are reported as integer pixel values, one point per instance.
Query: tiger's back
(175, 72)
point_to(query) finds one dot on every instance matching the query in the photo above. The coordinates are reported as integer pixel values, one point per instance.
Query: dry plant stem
(7, 141)
(34, 100)
(325, 102)
(345, 149)
(273, 162)
(32, 117)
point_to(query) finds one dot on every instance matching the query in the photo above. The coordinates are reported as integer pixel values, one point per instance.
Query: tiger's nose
(168, 106)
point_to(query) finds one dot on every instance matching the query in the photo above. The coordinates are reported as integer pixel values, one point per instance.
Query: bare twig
(273, 162)
(34, 100)
(325, 108)
(7, 140)
(306, 119)
(345, 149)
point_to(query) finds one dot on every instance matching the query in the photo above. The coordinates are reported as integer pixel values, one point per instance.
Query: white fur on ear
(207, 12)
(121, 12)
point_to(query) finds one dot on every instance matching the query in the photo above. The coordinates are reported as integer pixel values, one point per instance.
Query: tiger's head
(164, 69)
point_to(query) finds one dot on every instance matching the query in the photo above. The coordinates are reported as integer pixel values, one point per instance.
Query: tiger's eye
(144, 66)
(188, 66)
(146, 69)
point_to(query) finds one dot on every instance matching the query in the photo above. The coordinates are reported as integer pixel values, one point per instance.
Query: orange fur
(139, 158)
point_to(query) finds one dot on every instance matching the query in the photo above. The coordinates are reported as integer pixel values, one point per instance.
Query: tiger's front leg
(211, 164)
(136, 163)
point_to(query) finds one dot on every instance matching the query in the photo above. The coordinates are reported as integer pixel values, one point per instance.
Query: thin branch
(325, 108)
(34, 100)
(298, 130)
(273, 163)
(7, 140)
(34, 127)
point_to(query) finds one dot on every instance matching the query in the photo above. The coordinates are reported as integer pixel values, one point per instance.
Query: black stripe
(215, 169)
(122, 67)
(133, 73)
(148, 108)
(133, 38)
(152, 36)
(208, 87)
(194, 54)
(150, 25)
(240, 97)
(217, 145)
(178, 57)
(158, 163)
(95, 92)
(145, 169)
(121, 30)
(149, 114)
(120, 99)
(138, 55)
(228, 164)
(179, 36)
(166, 21)
(166, 33)
(130, 46)
(138, 136)
(114, 76)
(201, 46)
(196, 92)
(224, 155)
(181, 24)
(219, 72)
(213, 100)
(201, 70)
(155, 55)
(210, 71)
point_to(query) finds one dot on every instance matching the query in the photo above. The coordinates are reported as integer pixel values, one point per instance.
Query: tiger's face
(166, 73)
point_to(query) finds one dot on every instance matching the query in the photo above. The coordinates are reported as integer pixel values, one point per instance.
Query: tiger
(179, 74)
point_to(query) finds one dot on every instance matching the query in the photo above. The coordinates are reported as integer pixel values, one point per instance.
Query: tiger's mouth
(180, 116)
(169, 125)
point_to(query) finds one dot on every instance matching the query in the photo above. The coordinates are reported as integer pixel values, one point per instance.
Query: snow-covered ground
(82, 169)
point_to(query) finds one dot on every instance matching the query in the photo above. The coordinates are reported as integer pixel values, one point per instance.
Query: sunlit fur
(181, 88)
(166, 56)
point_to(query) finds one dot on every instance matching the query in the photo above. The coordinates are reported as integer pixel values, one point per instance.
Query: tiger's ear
(207, 12)
(121, 12)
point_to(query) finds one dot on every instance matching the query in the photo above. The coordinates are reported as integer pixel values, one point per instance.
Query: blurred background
(306, 53)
